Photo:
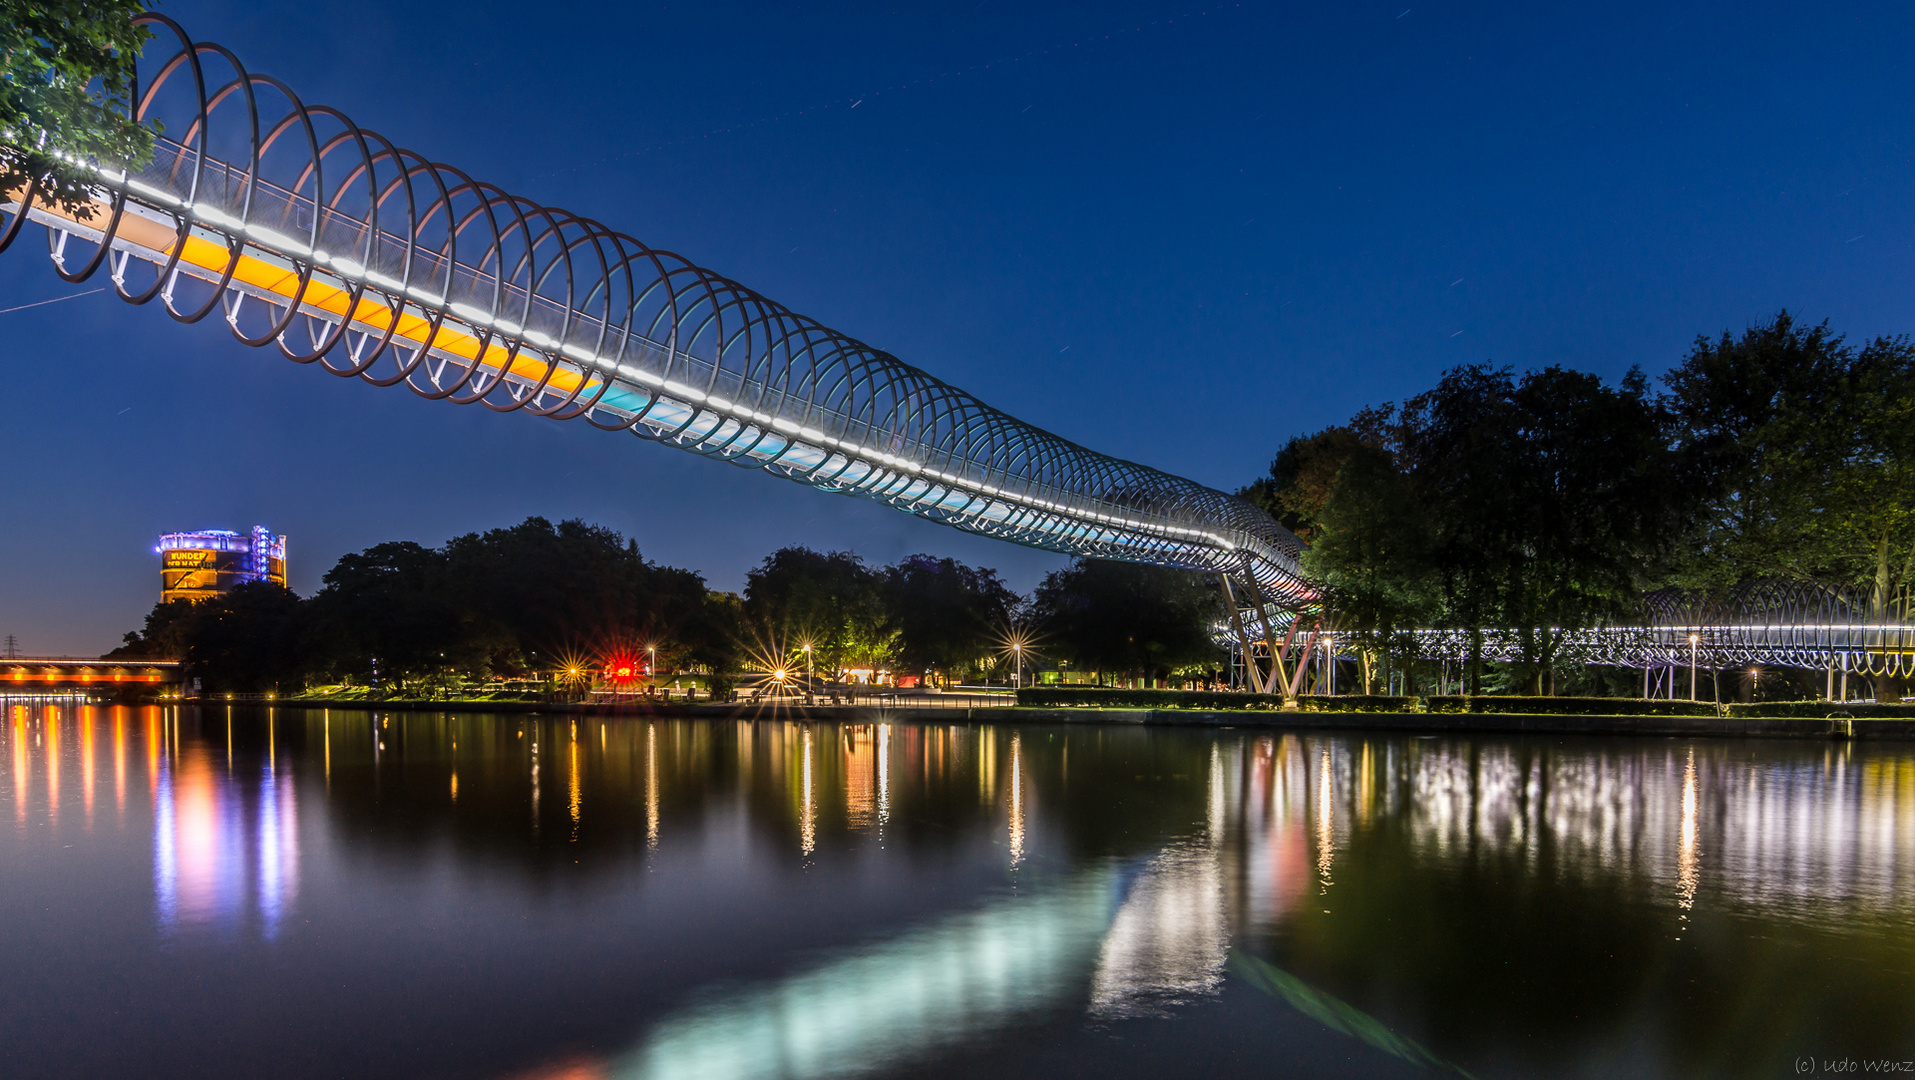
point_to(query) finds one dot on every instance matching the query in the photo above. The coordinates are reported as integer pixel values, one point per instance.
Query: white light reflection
(1169, 940)
(1688, 857)
(884, 777)
(1017, 799)
(896, 1002)
(808, 815)
(1326, 824)
(651, 785)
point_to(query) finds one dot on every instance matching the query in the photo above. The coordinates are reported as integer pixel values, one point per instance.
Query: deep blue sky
(1175, 232)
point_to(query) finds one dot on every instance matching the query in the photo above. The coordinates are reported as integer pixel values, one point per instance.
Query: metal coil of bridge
(324, 240)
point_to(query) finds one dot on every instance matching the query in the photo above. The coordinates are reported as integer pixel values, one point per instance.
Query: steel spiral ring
(326, 241)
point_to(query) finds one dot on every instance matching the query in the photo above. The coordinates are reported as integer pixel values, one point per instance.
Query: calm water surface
(205, 893)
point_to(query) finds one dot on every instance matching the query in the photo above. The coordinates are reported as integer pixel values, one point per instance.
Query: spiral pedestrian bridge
(321, 239)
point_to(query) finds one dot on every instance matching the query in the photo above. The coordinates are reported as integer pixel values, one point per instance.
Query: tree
(164, 636)
(66, 76)
(1552, 498)
(250, 640)
(832, 602)
(567, 587)
(949, 615)
(1298, 485)
(389, 609)
(1127, 618)
(1806, 450)
(1372, 555)
(1757, 420)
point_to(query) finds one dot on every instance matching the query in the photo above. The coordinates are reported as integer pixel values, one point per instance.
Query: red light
(622, 669)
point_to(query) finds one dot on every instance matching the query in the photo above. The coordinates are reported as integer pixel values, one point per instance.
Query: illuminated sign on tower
(202, 565)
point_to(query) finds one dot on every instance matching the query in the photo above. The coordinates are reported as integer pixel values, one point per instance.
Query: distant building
(202, 565)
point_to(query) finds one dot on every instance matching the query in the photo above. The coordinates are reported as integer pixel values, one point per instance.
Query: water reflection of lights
(575, 793)
(651, 785)
(1169, 940)
(22, 764)
(884, 777)
(86, 769)
(1688, 860)
(52, 729)
(860, 778)
(200, 849)
(119, 763)
(808, 812)
(1788, 833)
(896, 1002)
(986, 765)
(278, 831)
(1017, 798)
(1326, 831)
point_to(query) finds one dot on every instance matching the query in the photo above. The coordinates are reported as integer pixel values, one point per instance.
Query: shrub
(1364, 703)
(1115, 698)
(1569, 706)
(1816, 710)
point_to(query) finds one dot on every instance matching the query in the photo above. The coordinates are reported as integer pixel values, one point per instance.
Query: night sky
(1174, 233)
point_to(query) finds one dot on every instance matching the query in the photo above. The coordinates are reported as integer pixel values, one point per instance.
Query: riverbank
(1427, 722)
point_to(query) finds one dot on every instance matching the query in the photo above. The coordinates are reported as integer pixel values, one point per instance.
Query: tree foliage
(1551, 501)
(834, 603)
(1129, 619)
(950, 616)
(66, 77)
(499, 603)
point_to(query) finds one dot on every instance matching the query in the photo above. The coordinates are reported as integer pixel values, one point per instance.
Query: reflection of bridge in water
(1256, 839)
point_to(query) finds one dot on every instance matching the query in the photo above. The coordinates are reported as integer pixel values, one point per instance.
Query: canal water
(293, 893)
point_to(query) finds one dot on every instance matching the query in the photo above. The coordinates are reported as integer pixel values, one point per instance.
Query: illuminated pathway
(325, 241)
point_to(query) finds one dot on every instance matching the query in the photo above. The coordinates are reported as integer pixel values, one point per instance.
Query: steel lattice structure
(1797, 624)
(324, 240)
(1783, 623)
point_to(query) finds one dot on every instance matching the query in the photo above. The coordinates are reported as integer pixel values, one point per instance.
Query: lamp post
(807, 673)
(1695, 642)
(1017, 650)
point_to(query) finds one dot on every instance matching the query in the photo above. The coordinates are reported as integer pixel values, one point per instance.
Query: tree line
(538, 599)
(1552, 501)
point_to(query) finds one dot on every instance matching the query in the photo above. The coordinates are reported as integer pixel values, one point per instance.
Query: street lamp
(651, 655)
(1017, 649)
(1695, 641)
(807, 672)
